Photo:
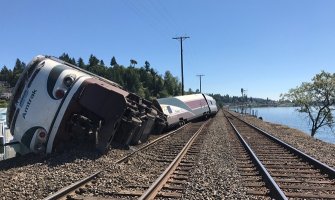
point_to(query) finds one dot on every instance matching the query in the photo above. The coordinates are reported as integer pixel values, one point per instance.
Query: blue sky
(266, 47)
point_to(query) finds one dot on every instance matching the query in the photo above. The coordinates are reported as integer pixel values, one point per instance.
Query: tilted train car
(54, 100)
(181, 109)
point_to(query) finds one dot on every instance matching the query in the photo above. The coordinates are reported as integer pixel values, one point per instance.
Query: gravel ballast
(215, 175)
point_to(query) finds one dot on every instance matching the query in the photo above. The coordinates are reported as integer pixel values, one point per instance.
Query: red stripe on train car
(196, 104)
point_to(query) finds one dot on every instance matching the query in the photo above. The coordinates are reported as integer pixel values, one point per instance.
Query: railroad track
(135, 176)
(272, 168)
(251, 177)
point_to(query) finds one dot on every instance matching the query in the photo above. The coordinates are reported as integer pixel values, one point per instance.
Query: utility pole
(243, 91)
(181, 38)
(200, 75)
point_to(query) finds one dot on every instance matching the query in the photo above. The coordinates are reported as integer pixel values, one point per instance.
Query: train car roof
(182, 98)
(209, 97)
(180, 101)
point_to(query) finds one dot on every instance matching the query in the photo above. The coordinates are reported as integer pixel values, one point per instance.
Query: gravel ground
(216, 175)
(34, 177)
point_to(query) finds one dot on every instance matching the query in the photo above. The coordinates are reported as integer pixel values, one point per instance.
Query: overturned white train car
(54, 101)
(181, 109)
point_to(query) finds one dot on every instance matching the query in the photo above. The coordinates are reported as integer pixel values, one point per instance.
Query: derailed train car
(54, 100)
(181, 109)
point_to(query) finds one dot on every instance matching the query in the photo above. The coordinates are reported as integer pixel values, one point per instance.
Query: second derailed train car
(181, 109)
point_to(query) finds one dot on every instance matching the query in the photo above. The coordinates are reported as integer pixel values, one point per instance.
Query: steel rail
(68, 189)
(152, 142)
(323, 167)
(276, 192)
(73, 186)
(158, 184)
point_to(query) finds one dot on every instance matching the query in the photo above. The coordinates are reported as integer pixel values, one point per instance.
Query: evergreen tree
(131, 80)
(81, 63)
(17, 70)
(65, 57)
(4, 74)
(73, 61)
(93, 61)
(113, 61)
(116, 74)
(159, 90)
(147, 66)
(19, 66)
(10, 78)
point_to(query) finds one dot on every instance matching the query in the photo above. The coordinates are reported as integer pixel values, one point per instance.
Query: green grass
(3, 103)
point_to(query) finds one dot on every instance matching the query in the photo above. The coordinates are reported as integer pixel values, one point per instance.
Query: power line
(181, 39)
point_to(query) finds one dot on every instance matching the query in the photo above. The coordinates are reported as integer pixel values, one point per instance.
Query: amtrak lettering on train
(66, 101)
(28, 103)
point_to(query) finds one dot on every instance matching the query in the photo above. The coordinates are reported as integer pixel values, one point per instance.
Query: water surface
(290, 117)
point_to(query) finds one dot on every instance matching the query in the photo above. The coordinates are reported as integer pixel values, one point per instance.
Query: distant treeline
(238, 100)
(9, 76)
(144, 80)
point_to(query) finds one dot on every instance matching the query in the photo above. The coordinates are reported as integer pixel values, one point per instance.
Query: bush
(3, 103)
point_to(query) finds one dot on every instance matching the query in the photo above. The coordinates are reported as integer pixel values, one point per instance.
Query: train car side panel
(184, 108)
(197, 103)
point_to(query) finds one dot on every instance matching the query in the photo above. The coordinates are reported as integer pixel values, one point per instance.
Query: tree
(147, 65)
(190, 91)
(17, 70)
(316, 99)
(81, 63)
(171, 84)
(4, 74)
(65, 57)
(133, 62)
(115, 74)
(93, 61)
(113, 62)
(131, 80)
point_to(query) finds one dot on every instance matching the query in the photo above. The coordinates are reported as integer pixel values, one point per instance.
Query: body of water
(290, 117)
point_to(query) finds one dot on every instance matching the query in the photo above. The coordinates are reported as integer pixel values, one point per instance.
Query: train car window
(169, 109)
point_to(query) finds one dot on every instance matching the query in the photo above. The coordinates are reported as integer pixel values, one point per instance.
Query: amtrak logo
(33, 93)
